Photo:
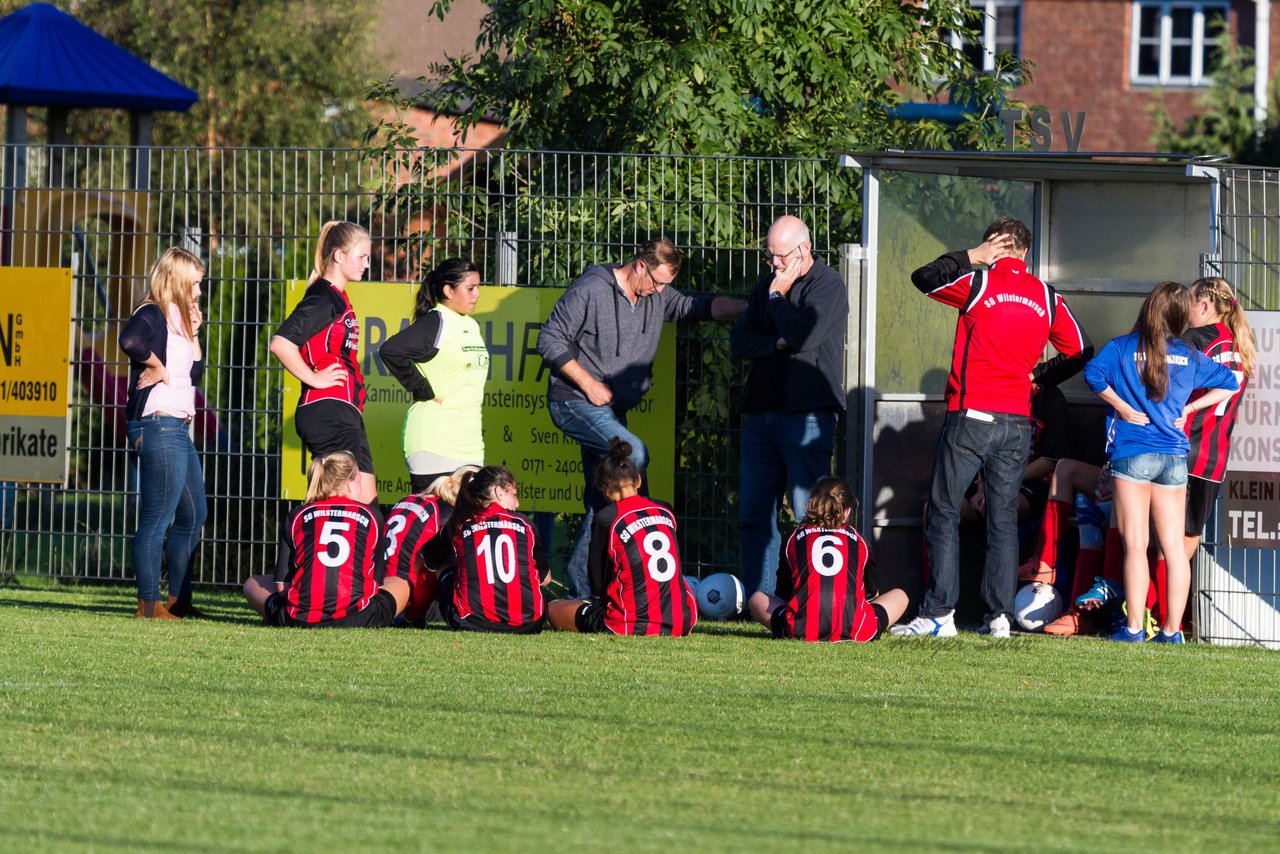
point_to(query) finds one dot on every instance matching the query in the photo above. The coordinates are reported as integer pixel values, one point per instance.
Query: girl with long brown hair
(1148, 377)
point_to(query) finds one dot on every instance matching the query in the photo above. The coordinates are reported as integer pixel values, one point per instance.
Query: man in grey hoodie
(600, 342)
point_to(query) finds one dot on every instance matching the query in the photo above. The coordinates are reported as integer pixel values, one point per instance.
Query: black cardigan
(147, 332)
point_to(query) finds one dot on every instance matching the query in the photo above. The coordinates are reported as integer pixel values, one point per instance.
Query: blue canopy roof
(49, 59)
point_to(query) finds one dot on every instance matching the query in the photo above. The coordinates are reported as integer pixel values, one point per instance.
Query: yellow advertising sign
(518, 432)
(35, 373)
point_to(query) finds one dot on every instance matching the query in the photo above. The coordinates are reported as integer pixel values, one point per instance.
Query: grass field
(222, 735)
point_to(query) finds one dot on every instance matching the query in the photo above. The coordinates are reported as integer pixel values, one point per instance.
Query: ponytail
(328, 474)
(830, 503)
(617, 469)
(448, 273)
(335, 235)
(1228, 308)
(477, 490)
(446, 486)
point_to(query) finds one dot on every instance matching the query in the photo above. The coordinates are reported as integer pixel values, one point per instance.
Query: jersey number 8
(660, 563)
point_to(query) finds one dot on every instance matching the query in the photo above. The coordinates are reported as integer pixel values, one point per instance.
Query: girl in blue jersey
(1147, 377)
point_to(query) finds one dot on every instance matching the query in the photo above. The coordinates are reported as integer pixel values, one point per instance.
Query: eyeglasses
(655, 280)
(771, 257)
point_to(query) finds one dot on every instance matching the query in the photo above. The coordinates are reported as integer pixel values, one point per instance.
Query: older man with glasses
(793, 335)
(600, 342)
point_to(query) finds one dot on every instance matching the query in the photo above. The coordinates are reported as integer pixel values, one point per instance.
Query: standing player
(825, 562)
(497, 586)
(329, 561)
(634, 564)
(441, 360)
(1148, 377)
(317, 344)
(1007, 316)
(1220, 330)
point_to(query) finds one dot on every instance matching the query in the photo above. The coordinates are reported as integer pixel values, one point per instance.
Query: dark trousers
(998, 447)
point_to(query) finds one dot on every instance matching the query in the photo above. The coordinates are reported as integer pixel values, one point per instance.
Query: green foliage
(1226, 123)
(712, 76)
(268, 72)
(225, 736)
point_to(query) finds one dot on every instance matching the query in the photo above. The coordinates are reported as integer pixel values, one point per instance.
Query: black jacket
(147, 332)
(806, 374)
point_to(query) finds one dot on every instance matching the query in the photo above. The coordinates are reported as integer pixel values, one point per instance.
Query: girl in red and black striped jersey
(330, 559)
(633, 566)
(825, 560)
(1219, 329)
(414, 522)
(497, 585)
(317, 343)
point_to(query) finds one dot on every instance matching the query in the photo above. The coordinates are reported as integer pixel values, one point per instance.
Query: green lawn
(222, 735)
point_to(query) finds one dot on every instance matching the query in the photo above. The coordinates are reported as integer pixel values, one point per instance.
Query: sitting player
(497, 586)
(329, 560)
(823, 562)
(412, 523)
(633, 565)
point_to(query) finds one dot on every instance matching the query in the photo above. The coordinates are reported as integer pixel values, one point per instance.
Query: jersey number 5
(332, 534)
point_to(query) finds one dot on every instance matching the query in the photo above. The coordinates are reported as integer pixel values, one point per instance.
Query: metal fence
(1238, 589)
(253, 216)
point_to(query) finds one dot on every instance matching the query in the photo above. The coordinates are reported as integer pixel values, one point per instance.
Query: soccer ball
(720, 596)
(693, 581)
(1036, 605)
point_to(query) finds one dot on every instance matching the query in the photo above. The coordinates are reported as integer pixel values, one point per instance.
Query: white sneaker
(938, 627)
(997, 628)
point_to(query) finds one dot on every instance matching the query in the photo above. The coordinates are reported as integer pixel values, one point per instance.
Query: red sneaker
(1074, 622)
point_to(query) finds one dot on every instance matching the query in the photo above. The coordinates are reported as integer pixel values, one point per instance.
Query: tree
(715, 76)
(1226, 124)
(268, 72)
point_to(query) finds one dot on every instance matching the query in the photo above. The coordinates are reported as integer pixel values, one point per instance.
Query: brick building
(1113, 59)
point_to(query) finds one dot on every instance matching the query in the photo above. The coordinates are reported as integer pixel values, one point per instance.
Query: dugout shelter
(1106, 228)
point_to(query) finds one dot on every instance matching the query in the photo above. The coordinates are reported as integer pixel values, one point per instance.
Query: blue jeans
(999, 448)
(170, 498)
(778, 448)
(592, 427)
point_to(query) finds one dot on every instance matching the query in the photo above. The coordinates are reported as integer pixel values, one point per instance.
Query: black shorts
(1037, 494)
(331, 425)
(378, 614)
(589, 618)
(1201, 496)
(778, 622)
(476, 624)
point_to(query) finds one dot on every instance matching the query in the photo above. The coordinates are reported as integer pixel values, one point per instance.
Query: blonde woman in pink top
(165, 364)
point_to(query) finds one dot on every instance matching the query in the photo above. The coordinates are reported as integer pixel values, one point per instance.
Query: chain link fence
(253, 215)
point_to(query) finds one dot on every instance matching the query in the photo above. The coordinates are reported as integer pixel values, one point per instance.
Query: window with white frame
(998, 32)
(1177, 43)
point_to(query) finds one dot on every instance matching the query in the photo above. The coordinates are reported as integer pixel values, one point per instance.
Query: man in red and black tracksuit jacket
(1006, 317)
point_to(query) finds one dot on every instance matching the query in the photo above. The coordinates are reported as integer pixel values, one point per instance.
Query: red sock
(1160, 581)
(1113, 557)
(1088, 564)
(1151, 587)
(1055, 514)
(422, 593)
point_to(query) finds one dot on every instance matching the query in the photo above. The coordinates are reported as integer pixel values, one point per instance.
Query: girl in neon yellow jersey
(441, 360)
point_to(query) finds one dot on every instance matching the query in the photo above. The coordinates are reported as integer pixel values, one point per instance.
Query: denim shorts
(1169, 470)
